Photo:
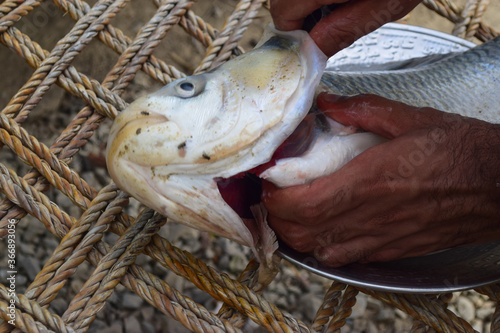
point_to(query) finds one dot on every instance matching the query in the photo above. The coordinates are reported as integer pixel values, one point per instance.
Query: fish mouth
(243, 190)
(125, 126)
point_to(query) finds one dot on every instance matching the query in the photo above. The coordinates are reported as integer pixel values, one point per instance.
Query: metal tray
(454, 269)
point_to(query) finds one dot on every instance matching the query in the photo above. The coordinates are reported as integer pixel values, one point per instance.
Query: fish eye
(189, 87)
(186, 86)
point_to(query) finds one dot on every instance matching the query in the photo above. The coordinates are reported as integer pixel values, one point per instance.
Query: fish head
(172, 149)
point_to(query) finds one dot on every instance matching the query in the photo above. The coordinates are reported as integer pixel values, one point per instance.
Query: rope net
(93, 222)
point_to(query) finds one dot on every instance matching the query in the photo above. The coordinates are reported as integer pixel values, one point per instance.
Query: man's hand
(435, 185)
(348, 22)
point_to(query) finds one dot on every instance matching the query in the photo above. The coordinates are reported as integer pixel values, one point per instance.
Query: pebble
(148, 313)
(486, 311)
(30, 265)
(132, 325)
(309, 305)
(360, 307)
(98, 326)
(386, 314)
(59, 305)
(35, 228)
(131, 301)
(116, 327)
(147, 327)
(465, 308)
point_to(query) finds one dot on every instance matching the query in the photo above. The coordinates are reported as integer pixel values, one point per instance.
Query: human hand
(435, 185)
(350, 21)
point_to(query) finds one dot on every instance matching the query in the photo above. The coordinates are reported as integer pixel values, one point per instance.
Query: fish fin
(266, 245)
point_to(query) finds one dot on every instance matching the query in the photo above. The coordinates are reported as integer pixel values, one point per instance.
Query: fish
(197, 149)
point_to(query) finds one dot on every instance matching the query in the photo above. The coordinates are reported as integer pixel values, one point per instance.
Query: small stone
(201, 297)
(374, 304)
(27, 248)
(132, 325)
(360, 324)
(175, 281)
(147, 327)
(477, 325)
(59, 305)
(34, 229)
(386, 314)
(359, 308)
(50, 243)
(309, 305)
(21, 280)
(131, 301)
(30, 265)
(116, 327)
(97, 326)
(465, 308)
(484, 312)
(148, 313)
(400, 314)
(159, 270)
(76, 285)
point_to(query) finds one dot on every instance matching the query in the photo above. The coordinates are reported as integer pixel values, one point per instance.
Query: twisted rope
(328, 307)
(228, 290)
(470, 19)
(448, 10)
(12, 11)
(344, 310)
(76, 244)
(29, 314)
(222, 47)
(77, 84)
(118, 42)
(99, 287)
(118, 79)
(427, 310)
(58, 60)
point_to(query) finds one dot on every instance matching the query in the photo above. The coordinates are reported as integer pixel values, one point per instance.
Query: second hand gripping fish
(195, 150)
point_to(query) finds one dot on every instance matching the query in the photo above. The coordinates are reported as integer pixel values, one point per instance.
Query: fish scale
(466, 83)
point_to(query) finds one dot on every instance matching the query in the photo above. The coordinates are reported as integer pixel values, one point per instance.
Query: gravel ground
(294, 290)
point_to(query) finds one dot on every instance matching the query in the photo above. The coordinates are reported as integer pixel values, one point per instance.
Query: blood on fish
(243, 190)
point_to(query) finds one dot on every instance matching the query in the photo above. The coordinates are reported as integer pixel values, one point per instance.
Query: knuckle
(310, 213)
(298, 238)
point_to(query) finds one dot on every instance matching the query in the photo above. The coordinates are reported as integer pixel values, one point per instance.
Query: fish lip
(155, 118)
(152, 118)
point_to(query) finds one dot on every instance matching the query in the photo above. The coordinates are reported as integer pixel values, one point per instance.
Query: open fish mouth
(243, 190)
(194, 150)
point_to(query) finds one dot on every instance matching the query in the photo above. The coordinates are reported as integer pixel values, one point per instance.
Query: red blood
(244, 189)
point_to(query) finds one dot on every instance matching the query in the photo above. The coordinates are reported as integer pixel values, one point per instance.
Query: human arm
(434, 185)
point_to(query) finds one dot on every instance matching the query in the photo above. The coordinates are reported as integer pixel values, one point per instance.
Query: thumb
(376, 114)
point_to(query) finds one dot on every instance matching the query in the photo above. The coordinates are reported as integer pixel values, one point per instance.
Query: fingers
(379, 115)
(355, 19)
(289, 14)
(308, 204)
(297, 236)
(344, 25)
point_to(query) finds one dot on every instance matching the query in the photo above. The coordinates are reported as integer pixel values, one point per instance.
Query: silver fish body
(176, 150)
(464, 83)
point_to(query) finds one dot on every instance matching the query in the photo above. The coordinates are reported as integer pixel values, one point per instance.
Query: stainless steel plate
(450, 270)
(394, 43)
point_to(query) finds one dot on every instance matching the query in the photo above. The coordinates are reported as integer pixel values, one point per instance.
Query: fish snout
(127, 139)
